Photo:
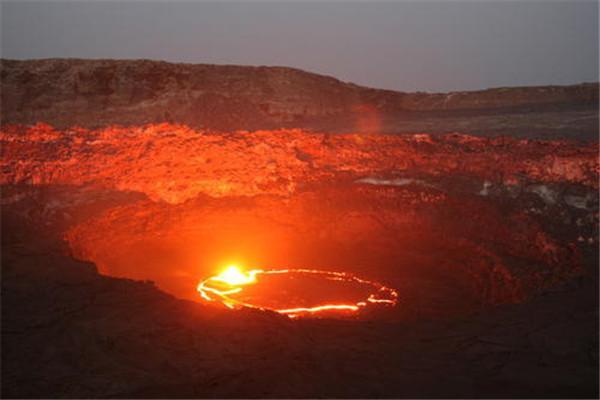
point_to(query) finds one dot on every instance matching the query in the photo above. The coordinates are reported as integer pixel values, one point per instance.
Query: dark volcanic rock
(491, 242)
(69, 332)
(93, 93)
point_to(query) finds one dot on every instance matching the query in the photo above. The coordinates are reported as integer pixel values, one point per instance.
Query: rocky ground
(69, 332)
(491, 243)
(174, 163)
(125, 182)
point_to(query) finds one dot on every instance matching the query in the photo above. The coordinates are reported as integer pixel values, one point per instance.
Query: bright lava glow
(222, 287)
(234, 276)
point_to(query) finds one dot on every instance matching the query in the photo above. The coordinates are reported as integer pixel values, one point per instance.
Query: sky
(433, 46)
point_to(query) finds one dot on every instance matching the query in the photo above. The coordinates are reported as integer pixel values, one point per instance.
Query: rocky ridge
(96, 93)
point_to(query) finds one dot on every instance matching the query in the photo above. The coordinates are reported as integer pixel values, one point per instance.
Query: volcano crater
(453, 223)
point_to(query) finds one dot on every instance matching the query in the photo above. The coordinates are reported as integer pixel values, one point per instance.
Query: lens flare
(228, 288)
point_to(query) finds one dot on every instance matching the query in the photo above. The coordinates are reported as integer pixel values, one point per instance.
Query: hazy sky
(402, 45)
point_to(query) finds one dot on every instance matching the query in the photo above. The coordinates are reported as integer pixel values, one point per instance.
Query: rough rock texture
(94, 93)
(505, 216)
(69, 332)
(492, 243)
(175, 163)
(457, 224)
(426, 243)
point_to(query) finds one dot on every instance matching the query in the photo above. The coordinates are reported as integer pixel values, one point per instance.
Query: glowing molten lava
(302, 290)
(234, 276)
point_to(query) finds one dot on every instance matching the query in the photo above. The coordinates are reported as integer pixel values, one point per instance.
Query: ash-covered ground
(492, 244)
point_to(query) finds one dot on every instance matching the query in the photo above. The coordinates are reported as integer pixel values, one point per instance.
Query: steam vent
(191, 230)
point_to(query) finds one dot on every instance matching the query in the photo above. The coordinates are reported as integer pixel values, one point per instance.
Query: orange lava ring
(235, 288)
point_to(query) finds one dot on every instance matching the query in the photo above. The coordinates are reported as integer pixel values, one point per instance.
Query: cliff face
(95, 93)
(130, 92)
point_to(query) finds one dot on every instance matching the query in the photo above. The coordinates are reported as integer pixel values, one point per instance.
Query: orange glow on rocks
(175, 163)
(232, 288)
(412, 210)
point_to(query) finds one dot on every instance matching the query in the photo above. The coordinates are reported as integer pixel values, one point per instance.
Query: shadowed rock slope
(93, 93)
(69, 332)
